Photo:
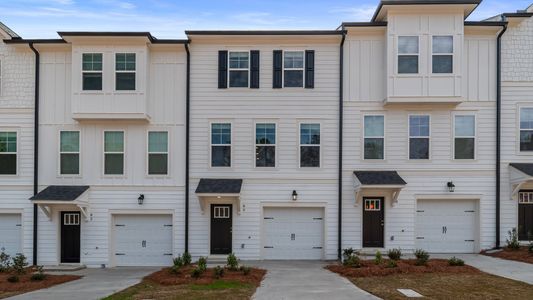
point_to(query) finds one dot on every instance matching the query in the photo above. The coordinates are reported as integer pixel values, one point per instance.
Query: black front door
(221, 217)
(373, 222)
(70, 237)
(525, 221)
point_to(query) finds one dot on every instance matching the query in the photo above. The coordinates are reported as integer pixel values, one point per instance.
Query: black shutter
(309, 69)
(277, 75)
(254, 69)
(222, 69)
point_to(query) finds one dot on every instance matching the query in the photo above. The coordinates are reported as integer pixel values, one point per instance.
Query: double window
(239, 68)
(374, 143)
(92, 71)
(309, 145)
(293, 68)
(69, 152)
(408, 52)
(157, 153)
(8, 153)
(464, 137)
(265, 145)
(419, 132)
(114, 152)
(221, 145)
(125, 66)
(442, 58)
(526, 129)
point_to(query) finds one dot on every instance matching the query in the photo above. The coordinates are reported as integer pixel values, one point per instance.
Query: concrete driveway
(95, 284)
(304, 280)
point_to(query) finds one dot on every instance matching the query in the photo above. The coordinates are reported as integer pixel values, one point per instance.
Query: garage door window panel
(69, 149)
(526, 129)
(310, 145)
(374, 141)
(221, 145)
(465, 137)
(114, 153)
(265, 145)
(419, 137)
(157, 153)
(8, 153)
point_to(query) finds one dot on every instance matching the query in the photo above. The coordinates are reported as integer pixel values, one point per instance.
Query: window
(374, 137)
(526, 129)
(407, 55)
(92, 71)
(419, 137)
(157, 153)
(525, 197)
(8, 153)
(239, 67)
(465, 137)
(69, 153)
(310, 145)
(442, 54)
(125, 71)
(221, 145)
(71, 219)
(221, 212)
(114, 152)
(372, 204)
(265, 145)
(1, 78)
(293, 69)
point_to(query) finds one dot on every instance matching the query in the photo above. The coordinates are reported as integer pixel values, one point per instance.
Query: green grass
(219, 285)
(128, 293)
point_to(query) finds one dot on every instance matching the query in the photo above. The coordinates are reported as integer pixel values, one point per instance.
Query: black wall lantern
(451, 186)
(294, 195)
(140, 200)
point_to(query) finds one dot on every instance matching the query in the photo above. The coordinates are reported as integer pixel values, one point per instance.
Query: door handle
(143, 244)
(444, 229)
(293, 236)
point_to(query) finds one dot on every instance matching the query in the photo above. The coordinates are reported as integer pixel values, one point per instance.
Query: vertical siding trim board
(35, 151)
(309, 69)
(187, 135)
(277, 66)
(341, 109)
(254, 69)
(222, 69)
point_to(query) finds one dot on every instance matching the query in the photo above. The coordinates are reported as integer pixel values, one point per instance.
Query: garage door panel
(11, 233)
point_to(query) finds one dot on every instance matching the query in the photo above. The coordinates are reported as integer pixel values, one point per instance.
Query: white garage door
(446, 226)
(143, 240)
(10, 233)
(293, 233)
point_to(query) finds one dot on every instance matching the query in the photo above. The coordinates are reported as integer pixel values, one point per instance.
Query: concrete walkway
(304, 280)
(95, 284)
(501, 267)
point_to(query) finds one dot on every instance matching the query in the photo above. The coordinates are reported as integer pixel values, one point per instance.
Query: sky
(168, 18)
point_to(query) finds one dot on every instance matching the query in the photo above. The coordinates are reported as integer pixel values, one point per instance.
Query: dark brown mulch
(166, 277)
(520, 254)
(25, 284)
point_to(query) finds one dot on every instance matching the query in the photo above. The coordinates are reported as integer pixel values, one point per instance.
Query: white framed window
(374, 137)
(239, 68)
(293, 68)
(526, 129)
(419, 135)
(525, 197)
(221, 212)
(69, 152)
(125, 69)
(265, 145)
(442, 57)
(310, 145)
(157, 153)
(92, 76)
(220, 144)
(372, 204)
(408, 52)
(8, 152)
(464, 136)
(114, 152)
(71, 219)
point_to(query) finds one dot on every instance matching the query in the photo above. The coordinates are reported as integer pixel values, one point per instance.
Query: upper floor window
(125, 66)
(69, 152)
(92, 71)
(221, 145)
(526, 129)
(293, 68)
(114, 152)
(309, 145)
(419, 131)
(265, 145)
(8, 153)
(442, 58)
(464, 137)
(157, 153)
(239, 69)
(374, 137)
(408, 51)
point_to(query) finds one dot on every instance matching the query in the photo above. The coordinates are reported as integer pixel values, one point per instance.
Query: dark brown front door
(525, 221)
(373, 222)
(70, 237)
(221, 219)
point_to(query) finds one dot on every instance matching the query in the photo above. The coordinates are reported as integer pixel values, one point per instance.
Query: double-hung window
(465, 137)
(526, 129)
(374, 137)
(293, 68)
(309, 145)
(265, 145)
(92, 71)
(221, 145)
(69, 152)
(408, 51)
(157, 153)
(442, 58)
(419, 131)
(8, 153)
(125, 66)
(239, 69)
(114, 152)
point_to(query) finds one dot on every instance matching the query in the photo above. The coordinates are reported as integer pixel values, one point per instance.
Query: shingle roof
(8, 30)
(379, 177)
(61, 192)
(220, 186)
(523, 167)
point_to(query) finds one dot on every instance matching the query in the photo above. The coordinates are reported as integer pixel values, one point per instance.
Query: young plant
(346, 253)
(232, 262)
(379, 258)
(422, 257)
(245, 270)
(197, 272)
(394, 254)
(13, 279)
(202, 264)
(186, 258)
(392, 264)
(353, 261)
(39, 275)
(178, 262)
(20, 263)
(5, 261)
(218, 272)
(454, 261)
(512, 241)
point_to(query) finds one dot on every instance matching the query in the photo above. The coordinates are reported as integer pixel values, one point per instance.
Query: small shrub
(422, 257)
(186, 258)
(232, 263)
(245, 270)
(454, 261)
(379, 258)
(5, 261)
(175, 270)
(392, 264)
(353, 261)
(202, 264)
(530, 248)
(395, 254)
(20, 263)
(218, 272)
(512, 240)
(178, 262)
(347, 253)
(13, 279)
(196, 272)
(37, 277)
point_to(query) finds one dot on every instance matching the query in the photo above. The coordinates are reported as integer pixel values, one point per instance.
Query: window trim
(115, 71)
(239, 69)
(519, 129)
(452, 54)
(123, 153)
(464, 114)
(17, 153)
(59, 174)
(384, 137)
(292, 69)
(398, 54)
(409, 137)
(210, 137)
(101, 72)
(148, 153)
(300, 145)
(275, 145)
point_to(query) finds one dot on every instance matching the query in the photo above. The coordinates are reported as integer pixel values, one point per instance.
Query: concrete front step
(217, 259)
(64, 268)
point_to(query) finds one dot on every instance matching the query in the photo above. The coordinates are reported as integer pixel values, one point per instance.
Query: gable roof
(523, 167)
(8, 31)
(424, 2)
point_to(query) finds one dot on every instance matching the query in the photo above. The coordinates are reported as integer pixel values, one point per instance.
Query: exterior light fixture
(140, 200)
(294, 195)
(451, 186)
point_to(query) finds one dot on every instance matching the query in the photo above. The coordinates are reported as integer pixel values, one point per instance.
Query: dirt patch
(25, 284)
(520, 254)
(166, 277)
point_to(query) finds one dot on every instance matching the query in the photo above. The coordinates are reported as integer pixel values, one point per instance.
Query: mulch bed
(520, 254)
(369, 268)
(166, 277)
(25, 284)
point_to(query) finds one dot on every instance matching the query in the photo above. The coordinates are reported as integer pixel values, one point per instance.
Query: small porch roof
(390, 181)
(520, 174)
(221, 189)
(76, 195)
